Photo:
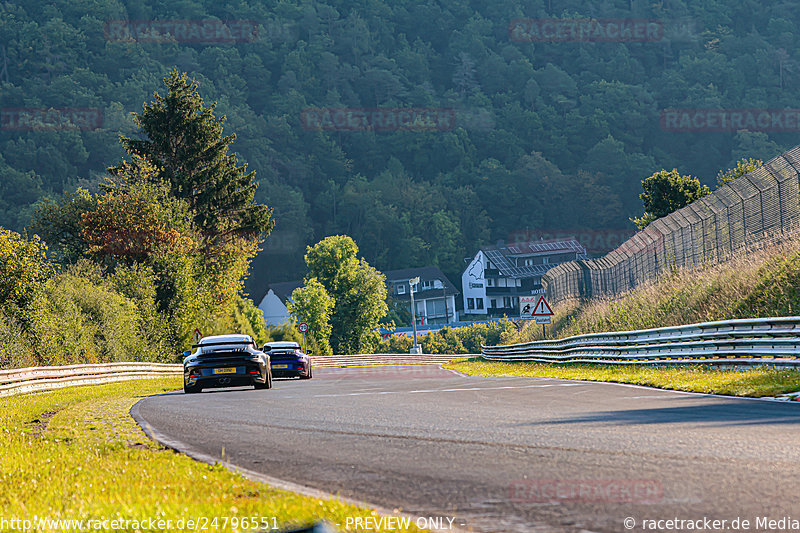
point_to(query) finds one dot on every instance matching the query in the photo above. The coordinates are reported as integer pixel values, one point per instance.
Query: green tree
(743, 166)
(666, 192)
(23, 271)
(184, 142)
(60, 223)
(358, 289)
(332, 262)
(183, 149)
(312, 304)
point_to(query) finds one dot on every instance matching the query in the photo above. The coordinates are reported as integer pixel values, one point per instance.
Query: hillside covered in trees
(547, 135)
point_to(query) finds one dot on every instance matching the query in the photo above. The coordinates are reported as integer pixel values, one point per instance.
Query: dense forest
(546, 136)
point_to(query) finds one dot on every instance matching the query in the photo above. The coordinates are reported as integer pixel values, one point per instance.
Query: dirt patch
(39, 425)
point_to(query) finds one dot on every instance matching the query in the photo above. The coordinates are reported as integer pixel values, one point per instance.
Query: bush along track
(76, 454)
(757, 382)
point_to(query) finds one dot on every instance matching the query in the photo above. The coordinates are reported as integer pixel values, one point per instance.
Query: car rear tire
(191, 389)
(266, 385)
(308, 375)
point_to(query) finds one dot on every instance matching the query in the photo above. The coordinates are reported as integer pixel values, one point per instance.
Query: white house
(273, 305)
(434, 296)
(497, 276)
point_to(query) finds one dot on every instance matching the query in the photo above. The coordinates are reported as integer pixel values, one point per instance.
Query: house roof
(284, 289)
(501, 256)
(427, 273)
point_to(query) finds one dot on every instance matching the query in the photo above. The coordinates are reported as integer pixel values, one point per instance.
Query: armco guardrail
(36, 379)
(336, 361)
(747, 341)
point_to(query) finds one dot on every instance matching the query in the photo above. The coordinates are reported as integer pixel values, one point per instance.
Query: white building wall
(275, 313)
(474, 284)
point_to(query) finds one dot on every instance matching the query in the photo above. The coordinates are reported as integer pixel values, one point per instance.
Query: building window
(506, 301)
(490, 282)
(427, 284)
(470, 303)
(479, 302)
(401, 289)
(493, 303)
(545, 260)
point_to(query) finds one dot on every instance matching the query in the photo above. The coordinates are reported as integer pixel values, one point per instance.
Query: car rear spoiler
(246, 343)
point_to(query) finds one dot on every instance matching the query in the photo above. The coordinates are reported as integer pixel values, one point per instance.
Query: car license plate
(225, 370)
(280, 366)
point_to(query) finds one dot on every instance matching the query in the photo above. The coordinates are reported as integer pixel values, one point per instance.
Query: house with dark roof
(498, 275)
(434, 295)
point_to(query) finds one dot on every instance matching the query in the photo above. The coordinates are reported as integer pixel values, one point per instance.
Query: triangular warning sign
(542, 308)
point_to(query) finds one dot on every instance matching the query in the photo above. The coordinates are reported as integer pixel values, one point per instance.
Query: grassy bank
(753, 284)
(752, 383)
(77, 454)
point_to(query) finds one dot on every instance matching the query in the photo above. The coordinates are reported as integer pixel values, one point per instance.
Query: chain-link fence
(754, 208)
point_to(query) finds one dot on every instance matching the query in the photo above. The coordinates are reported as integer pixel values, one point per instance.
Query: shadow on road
(726, 414)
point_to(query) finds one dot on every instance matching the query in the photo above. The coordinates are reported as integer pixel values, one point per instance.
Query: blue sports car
(288, 360)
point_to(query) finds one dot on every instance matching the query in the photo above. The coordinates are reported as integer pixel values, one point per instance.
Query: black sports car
(226, 361)
(288, 360)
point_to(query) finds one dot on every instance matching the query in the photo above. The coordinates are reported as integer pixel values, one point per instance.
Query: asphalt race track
(505, 454)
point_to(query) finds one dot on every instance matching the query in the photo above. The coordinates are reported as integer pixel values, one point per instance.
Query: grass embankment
(77, 454)
(753, 284)
(752, 383)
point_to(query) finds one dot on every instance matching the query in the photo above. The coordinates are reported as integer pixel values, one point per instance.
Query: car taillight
(255, 372)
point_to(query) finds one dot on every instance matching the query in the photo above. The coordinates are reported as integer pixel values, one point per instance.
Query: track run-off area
(504, 454)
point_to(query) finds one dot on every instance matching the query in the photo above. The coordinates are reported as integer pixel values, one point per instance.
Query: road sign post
(302, 327)
(413, 282)
(540, 311)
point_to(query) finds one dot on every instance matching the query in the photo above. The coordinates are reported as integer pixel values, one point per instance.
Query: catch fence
(758, 207)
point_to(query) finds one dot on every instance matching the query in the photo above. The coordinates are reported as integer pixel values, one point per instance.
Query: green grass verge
(752, 383)
(77, 454)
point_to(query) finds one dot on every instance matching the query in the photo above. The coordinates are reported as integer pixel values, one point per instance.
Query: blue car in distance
(288, 360)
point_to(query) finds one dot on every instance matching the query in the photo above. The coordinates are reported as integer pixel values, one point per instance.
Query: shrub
(249, 320)
(75, 320)
(15, 350)
(23, 270)
(395, 344)
(463, 340)
(284, 332)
